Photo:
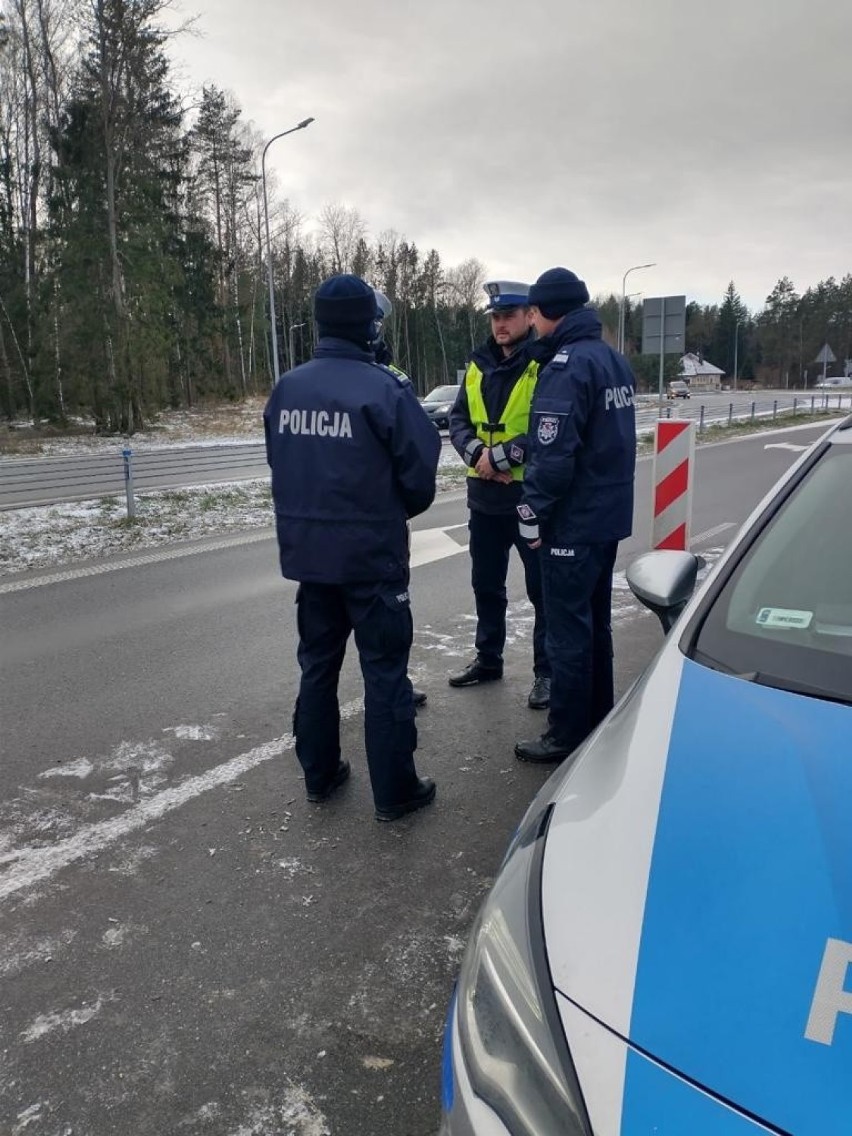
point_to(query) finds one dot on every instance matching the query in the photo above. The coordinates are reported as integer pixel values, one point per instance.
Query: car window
(442, 394)
(784, 615)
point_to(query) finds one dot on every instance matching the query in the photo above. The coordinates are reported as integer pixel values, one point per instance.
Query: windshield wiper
(761, 678)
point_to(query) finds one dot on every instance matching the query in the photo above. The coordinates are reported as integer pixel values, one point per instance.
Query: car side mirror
(664, 582)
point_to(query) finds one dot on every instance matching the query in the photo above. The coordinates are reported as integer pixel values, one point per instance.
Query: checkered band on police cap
(505, 294)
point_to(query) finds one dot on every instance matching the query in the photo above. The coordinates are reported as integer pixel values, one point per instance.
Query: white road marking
(25, 867)
(786, 446)
(714, 532)
(433, 544)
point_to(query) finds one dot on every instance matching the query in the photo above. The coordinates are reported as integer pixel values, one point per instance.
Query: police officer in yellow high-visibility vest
(488, 427)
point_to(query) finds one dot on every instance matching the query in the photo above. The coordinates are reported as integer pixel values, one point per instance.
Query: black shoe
(539, 698)
(340, 777)
(419, 697)
(475, 673)
(424, 795)
(543, 750)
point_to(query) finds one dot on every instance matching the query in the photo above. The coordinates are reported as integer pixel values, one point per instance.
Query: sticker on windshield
(784, 618)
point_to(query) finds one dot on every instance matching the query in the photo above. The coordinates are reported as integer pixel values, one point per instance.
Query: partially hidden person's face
(510, 327)
(542, 325)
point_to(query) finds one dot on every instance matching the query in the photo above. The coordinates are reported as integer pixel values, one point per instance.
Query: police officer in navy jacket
(577, 503)
(353, 457)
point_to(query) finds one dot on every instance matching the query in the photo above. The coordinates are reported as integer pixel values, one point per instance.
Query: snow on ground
(227, 425)
(47, 536)
(50, 535)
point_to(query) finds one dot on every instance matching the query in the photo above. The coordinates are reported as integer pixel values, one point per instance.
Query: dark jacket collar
(330, 348)
(584, 323)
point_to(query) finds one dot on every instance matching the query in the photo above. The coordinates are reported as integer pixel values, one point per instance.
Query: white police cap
(505, 294)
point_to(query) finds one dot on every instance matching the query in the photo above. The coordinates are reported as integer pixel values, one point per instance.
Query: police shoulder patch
(547, 428)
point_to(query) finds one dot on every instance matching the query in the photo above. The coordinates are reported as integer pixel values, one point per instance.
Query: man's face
(542, 325)
(510, 326)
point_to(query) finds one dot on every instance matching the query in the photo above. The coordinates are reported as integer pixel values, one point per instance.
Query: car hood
(697, 891)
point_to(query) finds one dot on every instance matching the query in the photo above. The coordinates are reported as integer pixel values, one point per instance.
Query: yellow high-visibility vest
(515, 418)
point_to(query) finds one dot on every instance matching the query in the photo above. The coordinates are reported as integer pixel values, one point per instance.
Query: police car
(667, 948)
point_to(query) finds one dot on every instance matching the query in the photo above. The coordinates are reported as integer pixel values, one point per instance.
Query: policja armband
(527, 524)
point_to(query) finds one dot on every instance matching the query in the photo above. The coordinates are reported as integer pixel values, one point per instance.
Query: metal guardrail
(46, 481)
(27, 482)
(42, 481)
(721, 409)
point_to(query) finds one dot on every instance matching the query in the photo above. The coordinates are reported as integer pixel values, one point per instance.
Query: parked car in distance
(678, 389)
(667, 947)
(839, 383)
(438, 403)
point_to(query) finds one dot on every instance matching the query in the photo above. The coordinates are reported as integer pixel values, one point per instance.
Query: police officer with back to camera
(353, 457)
(488, 427)
(577, 503)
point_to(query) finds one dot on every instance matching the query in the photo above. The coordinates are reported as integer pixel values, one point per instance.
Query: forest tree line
(133, 271)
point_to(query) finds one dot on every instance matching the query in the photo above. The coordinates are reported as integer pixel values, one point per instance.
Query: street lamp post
(292, 343)
(273, 323)
(621, 328)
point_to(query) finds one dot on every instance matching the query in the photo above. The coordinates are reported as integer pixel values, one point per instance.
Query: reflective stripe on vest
(514, 419)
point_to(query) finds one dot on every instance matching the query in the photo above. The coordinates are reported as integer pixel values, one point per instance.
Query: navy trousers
(380, 617)
(577, 584)
(491, 540)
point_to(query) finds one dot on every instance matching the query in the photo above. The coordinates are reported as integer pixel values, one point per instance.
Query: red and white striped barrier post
(674, 462)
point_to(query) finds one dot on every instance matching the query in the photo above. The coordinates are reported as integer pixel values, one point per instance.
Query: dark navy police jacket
(582, 437)
(499, 375)
(353, 456)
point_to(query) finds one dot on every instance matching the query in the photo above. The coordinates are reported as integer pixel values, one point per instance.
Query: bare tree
(341, 229)
(466, 282)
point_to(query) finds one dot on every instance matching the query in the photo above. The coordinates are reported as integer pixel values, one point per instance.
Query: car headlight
(511, 1036)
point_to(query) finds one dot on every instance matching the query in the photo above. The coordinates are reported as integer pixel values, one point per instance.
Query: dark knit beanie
(558, 292)
(345, 307)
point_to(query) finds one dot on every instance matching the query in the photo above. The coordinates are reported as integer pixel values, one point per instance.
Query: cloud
(713, 139)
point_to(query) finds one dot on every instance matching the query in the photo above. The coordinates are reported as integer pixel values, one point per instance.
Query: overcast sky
(711, 136)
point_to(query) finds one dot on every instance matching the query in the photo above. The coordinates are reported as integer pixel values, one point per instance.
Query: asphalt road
(185, 945)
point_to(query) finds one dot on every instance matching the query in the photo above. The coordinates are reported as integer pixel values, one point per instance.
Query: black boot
(475, 673)
(543, 750)
(340, 776)
(419, 697)
(423, 795)
(539, 698)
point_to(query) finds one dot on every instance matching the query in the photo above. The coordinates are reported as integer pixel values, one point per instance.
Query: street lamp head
(305, 122)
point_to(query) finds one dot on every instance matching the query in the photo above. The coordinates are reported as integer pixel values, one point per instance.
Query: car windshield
(784, 616)
(442, 394)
